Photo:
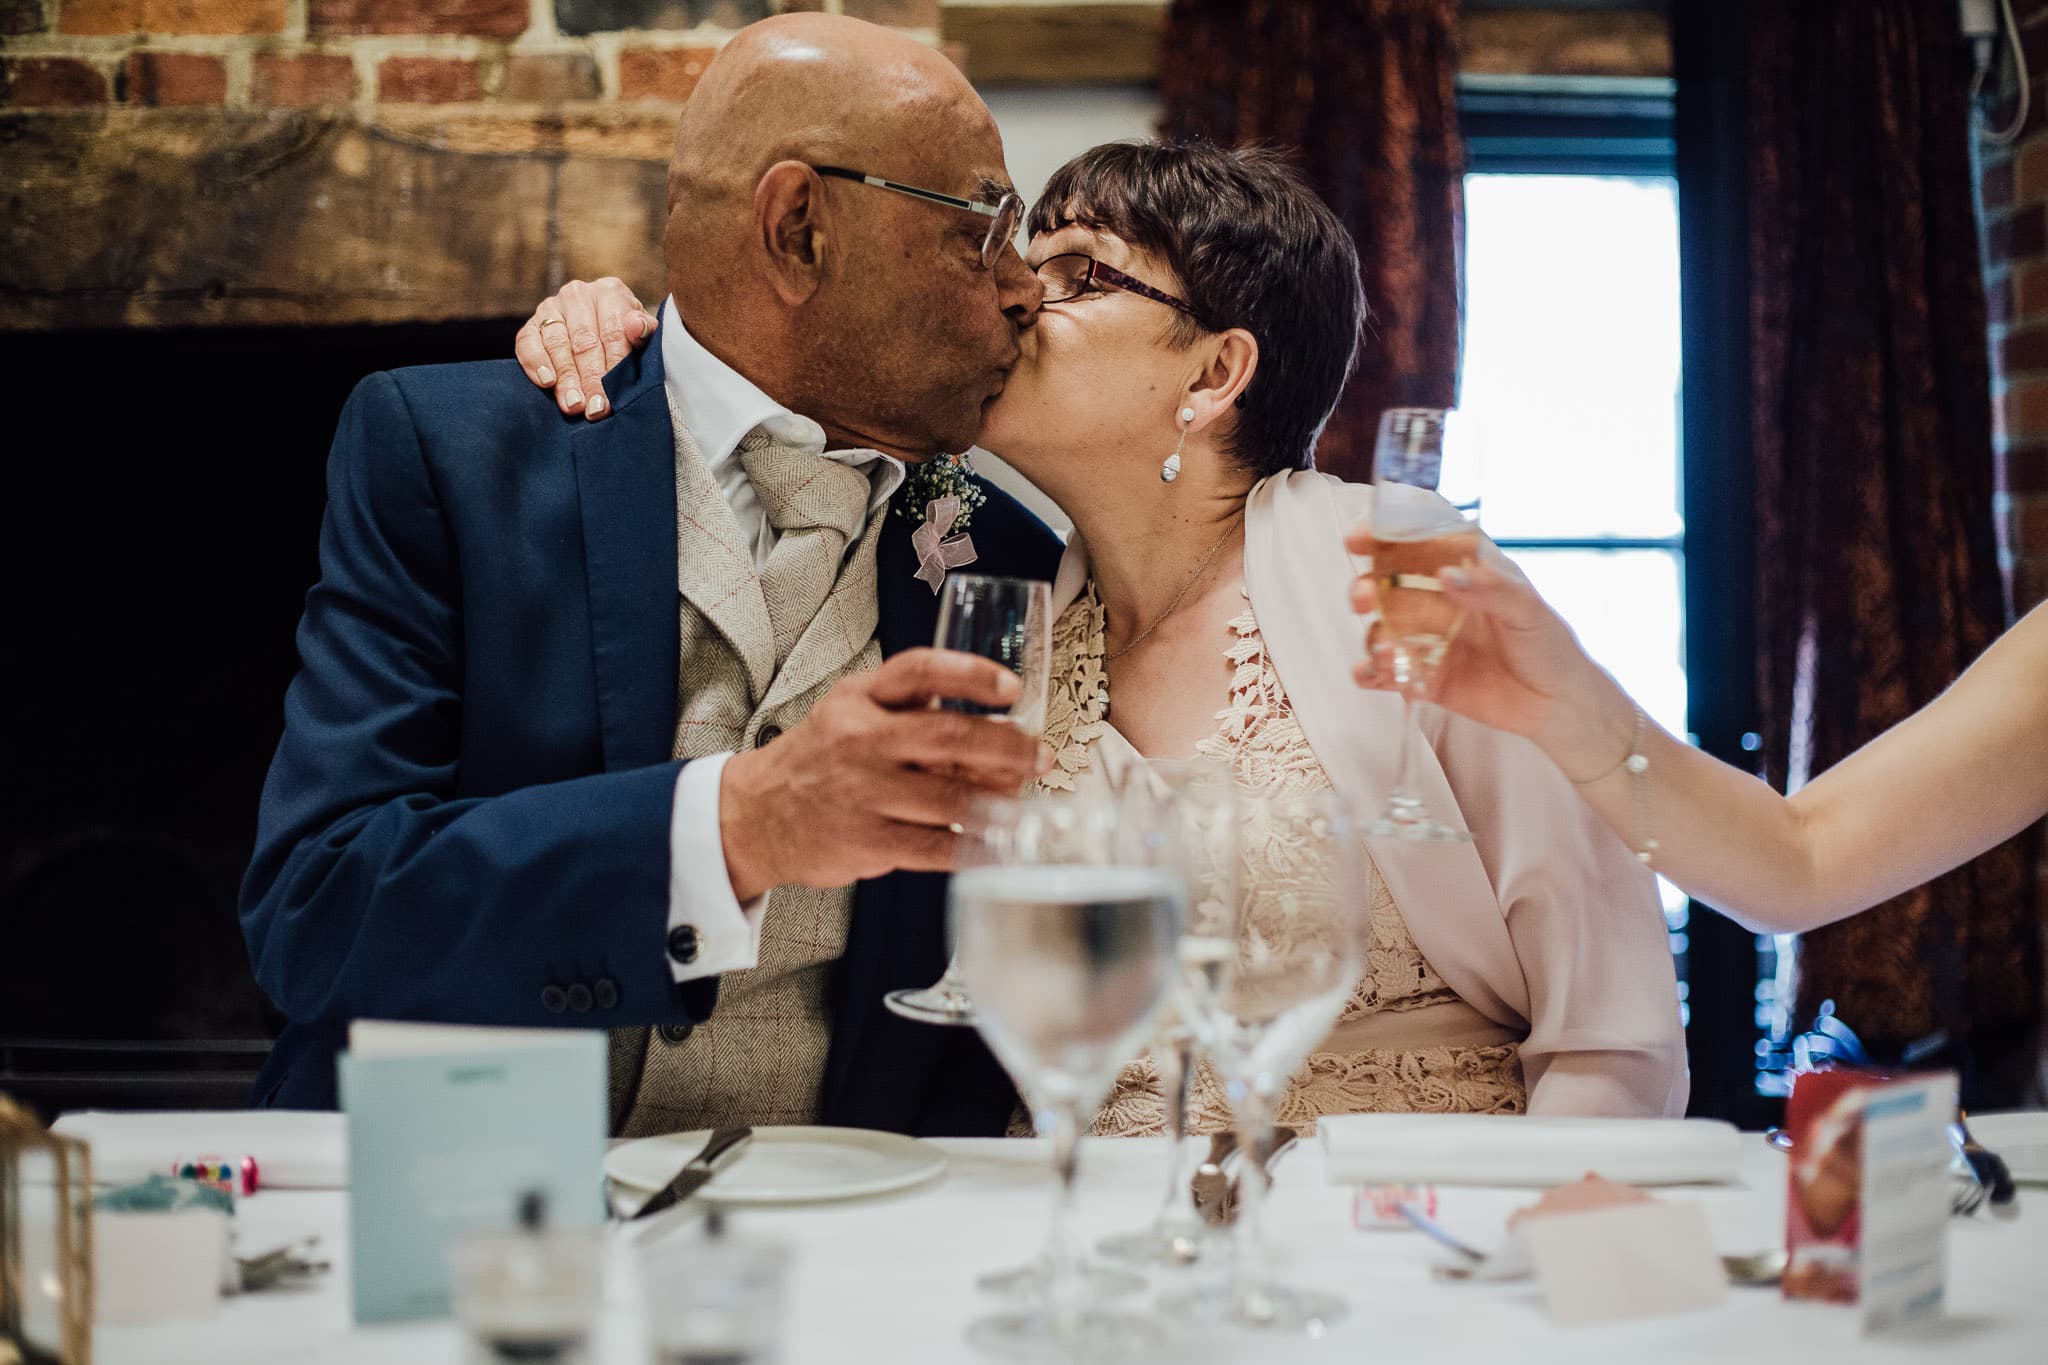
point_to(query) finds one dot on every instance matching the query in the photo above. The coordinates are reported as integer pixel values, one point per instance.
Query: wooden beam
(1563, 42)
(1019, 42)
(1057, 44)
(183, 217)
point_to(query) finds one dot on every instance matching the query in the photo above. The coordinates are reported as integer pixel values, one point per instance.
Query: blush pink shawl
(1545, 923)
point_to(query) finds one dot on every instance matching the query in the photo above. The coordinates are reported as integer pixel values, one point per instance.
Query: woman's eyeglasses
(1007, 212)
(1073, 274)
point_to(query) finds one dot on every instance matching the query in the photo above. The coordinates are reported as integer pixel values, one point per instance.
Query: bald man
(626, 725)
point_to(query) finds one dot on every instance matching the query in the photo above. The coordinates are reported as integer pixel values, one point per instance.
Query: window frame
(1631, 127)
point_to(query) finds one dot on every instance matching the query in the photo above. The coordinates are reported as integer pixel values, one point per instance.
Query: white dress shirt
(720, 406)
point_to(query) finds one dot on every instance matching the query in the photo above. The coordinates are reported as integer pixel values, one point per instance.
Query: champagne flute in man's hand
(1007, 620)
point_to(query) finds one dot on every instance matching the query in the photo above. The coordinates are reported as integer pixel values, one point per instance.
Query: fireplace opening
(160, 504)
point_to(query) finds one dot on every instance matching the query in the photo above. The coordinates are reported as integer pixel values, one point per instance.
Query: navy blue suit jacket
(468, 815)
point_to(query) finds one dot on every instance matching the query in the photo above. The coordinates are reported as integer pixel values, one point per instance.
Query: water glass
(1065, 918)
(714, 1299)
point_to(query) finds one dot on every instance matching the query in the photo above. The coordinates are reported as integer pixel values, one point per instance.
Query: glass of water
(1263, 978)
(1066, 916)
(714, 1298)
(1199, 797)
(1008, 620)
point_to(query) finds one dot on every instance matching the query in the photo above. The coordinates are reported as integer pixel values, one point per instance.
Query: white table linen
(892, 1280)
(1520, 1149)
(294, 1149)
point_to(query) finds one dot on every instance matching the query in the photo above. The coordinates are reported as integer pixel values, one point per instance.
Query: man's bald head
(818, 88)
(868, 311)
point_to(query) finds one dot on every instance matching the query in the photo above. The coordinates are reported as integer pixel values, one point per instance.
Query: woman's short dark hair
(1253, 247)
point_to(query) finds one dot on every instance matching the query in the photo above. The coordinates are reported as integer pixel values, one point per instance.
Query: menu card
(447, 1127)
(1866, 1218)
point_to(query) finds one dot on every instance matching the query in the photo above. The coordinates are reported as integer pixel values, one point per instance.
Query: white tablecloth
(892, 1280)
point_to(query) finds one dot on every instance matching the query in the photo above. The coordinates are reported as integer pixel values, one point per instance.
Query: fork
(1215, 1183)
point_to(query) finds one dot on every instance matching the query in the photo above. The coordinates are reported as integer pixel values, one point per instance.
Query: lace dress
(1405, 1041)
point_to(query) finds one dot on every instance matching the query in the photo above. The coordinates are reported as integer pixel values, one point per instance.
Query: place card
(1633, 1260)
(448, 1127)
(159, 1265)
(1866, 1217)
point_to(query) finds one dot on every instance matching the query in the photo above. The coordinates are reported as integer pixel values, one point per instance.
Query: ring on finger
(553, 322)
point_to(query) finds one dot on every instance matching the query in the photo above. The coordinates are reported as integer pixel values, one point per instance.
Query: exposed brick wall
(365, 53)
(2014, 193)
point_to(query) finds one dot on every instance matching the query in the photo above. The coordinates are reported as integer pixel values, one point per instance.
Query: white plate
(792, 1165)
(2021, 1139)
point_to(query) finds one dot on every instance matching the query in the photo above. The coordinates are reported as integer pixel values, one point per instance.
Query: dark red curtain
(1876, 561)
(1363, 92)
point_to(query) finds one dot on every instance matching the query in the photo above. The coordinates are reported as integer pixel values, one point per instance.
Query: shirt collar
(720, 406)
(718, 403)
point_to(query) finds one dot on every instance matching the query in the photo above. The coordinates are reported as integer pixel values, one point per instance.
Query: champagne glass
(1008, 620)
(1264, 979)
(1200, 796)
(1419, 533)
(1065, 918)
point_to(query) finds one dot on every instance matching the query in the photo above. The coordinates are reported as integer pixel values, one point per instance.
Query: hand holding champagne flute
(1418, 535)
(1967, 771)
(1008, 620)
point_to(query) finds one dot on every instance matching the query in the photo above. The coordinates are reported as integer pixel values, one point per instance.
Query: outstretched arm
(1969, 770)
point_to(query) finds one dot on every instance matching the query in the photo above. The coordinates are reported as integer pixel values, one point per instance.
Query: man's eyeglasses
(1007, 212)
(1074, 274)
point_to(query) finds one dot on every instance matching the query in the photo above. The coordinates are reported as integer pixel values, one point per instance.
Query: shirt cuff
(700, 893)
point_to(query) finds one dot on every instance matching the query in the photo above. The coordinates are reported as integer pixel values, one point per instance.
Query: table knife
(721, 1151)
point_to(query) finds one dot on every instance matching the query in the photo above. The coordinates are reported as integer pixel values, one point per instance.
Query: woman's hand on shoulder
(576, 336)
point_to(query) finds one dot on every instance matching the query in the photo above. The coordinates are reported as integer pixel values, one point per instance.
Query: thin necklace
(1180, 596)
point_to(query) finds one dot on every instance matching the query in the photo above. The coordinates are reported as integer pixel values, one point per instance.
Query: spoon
(1752, 1268)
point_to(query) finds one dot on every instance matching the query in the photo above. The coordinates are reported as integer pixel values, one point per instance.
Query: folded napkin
(294, 1149)
(1499, 1149)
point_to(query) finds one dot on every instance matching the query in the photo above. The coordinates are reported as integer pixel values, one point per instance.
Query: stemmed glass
(1419, 534)
(1008, 620)
(1268, 976)
(1065, 918)
(1200, 796)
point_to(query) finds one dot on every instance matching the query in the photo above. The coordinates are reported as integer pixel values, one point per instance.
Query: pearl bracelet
(1637, 764)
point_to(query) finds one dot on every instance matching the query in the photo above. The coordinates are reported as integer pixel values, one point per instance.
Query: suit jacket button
(554, 999)
(767, 735)
(676, 1033)
(579, 998)
(605, 992)
(682, 943)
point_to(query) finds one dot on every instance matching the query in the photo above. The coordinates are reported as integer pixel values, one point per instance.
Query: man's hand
(575, 337)
(872, 780)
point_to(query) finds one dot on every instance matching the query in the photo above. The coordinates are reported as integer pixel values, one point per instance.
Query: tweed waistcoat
(748, 662)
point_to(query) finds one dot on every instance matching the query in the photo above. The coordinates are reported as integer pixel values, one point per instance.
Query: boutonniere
(942, 496)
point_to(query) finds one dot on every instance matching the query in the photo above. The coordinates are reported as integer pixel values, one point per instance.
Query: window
(1570, 389)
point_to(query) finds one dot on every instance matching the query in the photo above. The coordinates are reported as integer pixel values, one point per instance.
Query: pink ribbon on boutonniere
(936, 550)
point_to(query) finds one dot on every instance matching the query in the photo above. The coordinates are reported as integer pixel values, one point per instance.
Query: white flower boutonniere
(941, 496)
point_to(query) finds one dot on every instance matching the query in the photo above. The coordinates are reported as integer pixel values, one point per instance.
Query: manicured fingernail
(597, 404)
(573, 397)
(545, 375)
(1455, 575)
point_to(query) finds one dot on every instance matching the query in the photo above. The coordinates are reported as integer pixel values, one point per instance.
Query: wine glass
(1419, 533)
(1265, 977)
(1065, 918)
(1008, 620)
(1201, 797)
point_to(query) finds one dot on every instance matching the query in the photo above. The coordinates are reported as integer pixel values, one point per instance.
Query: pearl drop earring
(1170, 471)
